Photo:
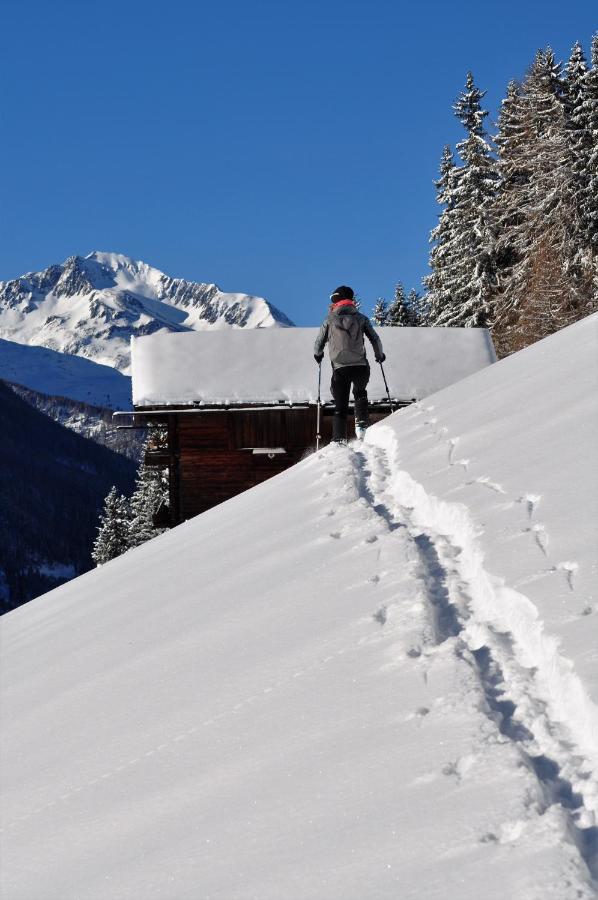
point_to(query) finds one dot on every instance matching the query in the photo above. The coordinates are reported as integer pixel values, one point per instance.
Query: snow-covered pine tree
(418, 311)
(508, 217)
(113, 532)
(380, 312)
(150, 489)
(582, 108)
(554, 73)
(442, 240)
(579, 108)
(469, 278)
(398, 311)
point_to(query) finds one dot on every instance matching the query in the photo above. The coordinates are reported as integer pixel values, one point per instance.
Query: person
(343, 330)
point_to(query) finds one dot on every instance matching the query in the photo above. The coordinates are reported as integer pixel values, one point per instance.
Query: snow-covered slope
(369, 677)
(91, 306)
(64, 375)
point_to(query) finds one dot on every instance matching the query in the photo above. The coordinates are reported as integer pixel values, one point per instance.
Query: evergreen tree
(554, 74)
(418, 310)
(467, 272)
(442, 238)
(582, 101)
(508, 217)
(398, 311)
(113, 532)
(380, 312)
(580, 84)
(546, 277)
(148, 495)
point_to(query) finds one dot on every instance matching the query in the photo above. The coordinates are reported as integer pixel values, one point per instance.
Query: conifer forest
(516, 245)
(515, 248)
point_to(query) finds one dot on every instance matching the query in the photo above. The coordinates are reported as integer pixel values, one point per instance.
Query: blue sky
(276, 148)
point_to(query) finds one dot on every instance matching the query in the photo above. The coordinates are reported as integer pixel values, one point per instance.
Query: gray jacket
(344, 329)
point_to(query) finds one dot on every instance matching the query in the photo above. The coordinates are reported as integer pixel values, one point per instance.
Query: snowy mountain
(91, 306)
(373, 676)
(63, 375)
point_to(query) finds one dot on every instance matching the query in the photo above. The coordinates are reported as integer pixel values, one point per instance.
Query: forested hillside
(52, 488)
(93, 422)
(516, 246)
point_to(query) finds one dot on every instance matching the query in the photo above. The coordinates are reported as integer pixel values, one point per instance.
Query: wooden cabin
(239, 406)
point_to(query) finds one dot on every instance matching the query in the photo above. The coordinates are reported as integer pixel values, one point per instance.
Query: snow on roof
(270, 700)
(277, 365)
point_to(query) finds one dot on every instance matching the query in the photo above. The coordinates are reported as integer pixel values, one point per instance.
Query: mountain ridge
(92, 305)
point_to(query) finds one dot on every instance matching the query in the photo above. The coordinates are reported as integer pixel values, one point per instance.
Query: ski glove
(381, 358)
(318, 357)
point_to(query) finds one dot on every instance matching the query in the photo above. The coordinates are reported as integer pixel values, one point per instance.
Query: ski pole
(386, 386)
(318, 435)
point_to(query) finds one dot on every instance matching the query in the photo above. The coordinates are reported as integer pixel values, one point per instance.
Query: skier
(344, 329)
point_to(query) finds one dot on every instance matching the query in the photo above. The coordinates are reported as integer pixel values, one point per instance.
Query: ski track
(531, 692)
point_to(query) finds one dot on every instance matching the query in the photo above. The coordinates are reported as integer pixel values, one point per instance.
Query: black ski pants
(340, 386)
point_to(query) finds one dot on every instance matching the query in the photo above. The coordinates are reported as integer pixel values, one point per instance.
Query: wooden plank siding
(215, 458)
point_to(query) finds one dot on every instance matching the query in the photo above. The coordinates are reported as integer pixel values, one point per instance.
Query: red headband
(344, 303)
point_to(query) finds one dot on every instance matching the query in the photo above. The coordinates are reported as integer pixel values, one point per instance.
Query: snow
(277, 365)
(91, 306)
(64, 375)
(371, 676)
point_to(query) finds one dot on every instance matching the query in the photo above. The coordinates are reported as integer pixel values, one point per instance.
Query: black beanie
(342, 293)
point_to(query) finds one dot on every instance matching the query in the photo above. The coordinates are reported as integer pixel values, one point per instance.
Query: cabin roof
(270, 366)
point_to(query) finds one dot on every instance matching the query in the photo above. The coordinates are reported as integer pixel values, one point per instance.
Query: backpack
(345, 338)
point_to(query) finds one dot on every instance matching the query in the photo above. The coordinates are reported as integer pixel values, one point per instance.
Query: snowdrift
(371, 676)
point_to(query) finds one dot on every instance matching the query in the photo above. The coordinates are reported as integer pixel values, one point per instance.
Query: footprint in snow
(464, 463)
(531, 501)
(489, 838)
(451, 443)
(451, 771)
(485, 481)
(570, 569)
(460, 768)
(335, 534)
(381, 615)
(538, 532)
